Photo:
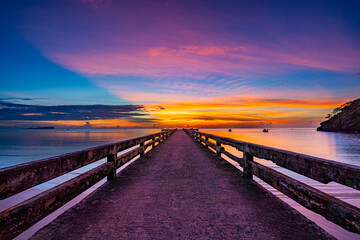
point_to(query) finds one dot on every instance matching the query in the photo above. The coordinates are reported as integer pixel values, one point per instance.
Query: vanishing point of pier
(178, 190)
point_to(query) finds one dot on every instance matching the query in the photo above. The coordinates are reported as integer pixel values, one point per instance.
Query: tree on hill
(345, 118)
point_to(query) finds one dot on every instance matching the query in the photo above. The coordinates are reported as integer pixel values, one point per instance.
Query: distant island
(41, 128)
(345, 118)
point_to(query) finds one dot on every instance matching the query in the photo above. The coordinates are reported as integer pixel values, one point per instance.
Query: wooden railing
(322, 170)
(18, 178)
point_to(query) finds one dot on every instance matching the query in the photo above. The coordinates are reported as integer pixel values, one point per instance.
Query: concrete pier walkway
(180, 191)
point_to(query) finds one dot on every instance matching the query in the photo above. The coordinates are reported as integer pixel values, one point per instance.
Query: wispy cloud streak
(24, 112)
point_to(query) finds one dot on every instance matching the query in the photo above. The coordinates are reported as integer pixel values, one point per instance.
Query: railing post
(112, 158)
(218, 149)
(247, 166)
(142, 152)
(153, 144)
(207, 139)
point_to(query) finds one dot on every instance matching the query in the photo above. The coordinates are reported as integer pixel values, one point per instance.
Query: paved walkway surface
(179, 190)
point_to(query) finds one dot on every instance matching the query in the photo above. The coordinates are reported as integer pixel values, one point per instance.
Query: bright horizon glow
(196, 63)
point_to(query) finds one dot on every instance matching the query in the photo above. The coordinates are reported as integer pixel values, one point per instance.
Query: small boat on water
(229, 130)
(265, 130)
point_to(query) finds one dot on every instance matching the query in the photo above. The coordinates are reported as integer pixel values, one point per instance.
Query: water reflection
(347, 147)
(21, 146)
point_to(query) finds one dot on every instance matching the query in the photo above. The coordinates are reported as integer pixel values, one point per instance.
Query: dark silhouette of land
(179, 191)
(345, 118)
(40, 128)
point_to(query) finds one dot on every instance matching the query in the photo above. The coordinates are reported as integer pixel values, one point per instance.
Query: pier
(180, 189)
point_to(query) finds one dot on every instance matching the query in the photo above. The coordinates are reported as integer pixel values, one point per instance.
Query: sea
(26, 145)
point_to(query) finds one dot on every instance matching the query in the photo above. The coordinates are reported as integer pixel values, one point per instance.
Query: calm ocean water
(342, 147)
(21, 146)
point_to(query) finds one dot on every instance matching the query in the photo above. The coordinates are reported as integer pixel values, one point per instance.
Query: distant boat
(229, 130)
(266, 130)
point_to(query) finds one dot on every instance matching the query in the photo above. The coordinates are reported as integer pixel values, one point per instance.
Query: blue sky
(176, 54)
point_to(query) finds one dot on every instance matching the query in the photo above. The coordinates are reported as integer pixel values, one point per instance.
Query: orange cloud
(225, 112)
(32, 114)
(242, 112)
(237, 103)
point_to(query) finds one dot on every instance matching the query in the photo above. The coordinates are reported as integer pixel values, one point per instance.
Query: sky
(103, 63)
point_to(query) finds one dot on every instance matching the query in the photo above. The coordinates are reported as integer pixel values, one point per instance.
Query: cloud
(23, 112)
(18, 98)
(302, 103)
(155, 52)
(87, 125)
(243, 112)
(221, 112)
(195, 60)
(193, 50)
(176, 39)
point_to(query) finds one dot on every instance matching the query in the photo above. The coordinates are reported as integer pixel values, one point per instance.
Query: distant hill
(345, 118)
(41, 128)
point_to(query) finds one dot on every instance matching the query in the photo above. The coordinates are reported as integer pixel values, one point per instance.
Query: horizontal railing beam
(210, 144)
(18, 218)
(333, 209)
(22, 216)
(18, 178)
(319, 169)
(124, 158)
(233, 157)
